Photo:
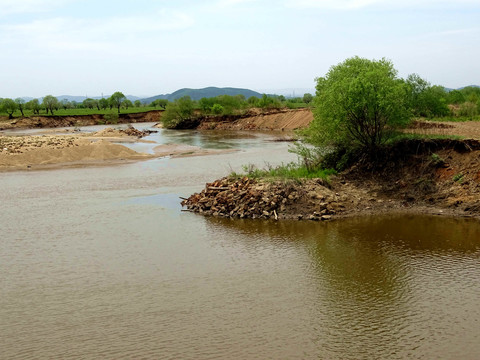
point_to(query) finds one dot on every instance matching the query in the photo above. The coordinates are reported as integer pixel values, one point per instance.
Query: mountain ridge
(197, 94)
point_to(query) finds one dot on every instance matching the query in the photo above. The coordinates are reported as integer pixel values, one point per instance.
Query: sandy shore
(73, 149)
(26, 152)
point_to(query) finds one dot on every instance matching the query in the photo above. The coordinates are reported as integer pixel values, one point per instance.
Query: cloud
(29, 6)
(65, 33)
(331, 4)
(229, 3)
(454, 32)
(360, 4)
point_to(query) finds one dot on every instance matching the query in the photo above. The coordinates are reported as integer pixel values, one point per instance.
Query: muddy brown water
(101, 263)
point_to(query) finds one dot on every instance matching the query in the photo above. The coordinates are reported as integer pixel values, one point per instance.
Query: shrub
(358, 103)
(177, 112)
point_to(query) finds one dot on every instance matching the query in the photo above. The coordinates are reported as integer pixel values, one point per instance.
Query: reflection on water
(101, 262)
(388, 287)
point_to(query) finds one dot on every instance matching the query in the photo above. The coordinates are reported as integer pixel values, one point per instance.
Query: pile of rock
(249, 198)
(131, 131)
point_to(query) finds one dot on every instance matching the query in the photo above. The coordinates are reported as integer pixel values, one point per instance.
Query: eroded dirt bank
(256, 119)
(78, 120)
(436, 177)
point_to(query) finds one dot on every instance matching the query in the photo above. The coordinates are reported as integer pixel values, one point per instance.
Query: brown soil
(441, 177)
(256, 119)
(467, 129)
(129, 131)
(79, 120)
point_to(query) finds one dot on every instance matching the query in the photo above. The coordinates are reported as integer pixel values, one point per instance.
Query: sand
(29, 152)
(26, 152)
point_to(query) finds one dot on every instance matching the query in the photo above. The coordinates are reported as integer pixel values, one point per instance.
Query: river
(100, 262)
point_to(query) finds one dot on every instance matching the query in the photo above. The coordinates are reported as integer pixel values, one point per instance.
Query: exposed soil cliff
(255, 119)
(78, 120)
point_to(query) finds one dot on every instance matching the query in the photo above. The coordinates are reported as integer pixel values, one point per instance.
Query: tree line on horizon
(426, 100)
(224, 104)
(50, 104)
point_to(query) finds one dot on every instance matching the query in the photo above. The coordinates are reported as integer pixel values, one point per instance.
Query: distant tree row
(430, 101)
(50, 104)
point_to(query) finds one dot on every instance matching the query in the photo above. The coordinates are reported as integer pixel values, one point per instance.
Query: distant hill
(475, 86)
(461, 88)
(197, 94)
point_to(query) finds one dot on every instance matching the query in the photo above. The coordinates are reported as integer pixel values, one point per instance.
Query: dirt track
(467, 129)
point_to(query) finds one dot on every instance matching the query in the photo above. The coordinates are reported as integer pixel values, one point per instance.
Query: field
(79, 112)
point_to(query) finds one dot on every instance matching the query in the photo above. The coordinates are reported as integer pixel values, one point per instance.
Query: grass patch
(458, 178)
(290, 171)
(404, 136)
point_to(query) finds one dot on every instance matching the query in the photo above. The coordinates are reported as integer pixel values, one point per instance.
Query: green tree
(9, 106)
(424, 99)
(471, 93)
(252, 101)
(50, 103)
(268, 102)
(65, 104)
(178, 112)
(116, 100)
(355, 103)
(307, 98)
(34, 106)
(217, 109)
(127, 103)
(103, 103)
(89, 103)
(455, 97)
(162, 103)
(20, 105)
(137, 103)
(206, 104)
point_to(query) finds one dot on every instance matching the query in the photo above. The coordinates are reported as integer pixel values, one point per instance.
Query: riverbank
(258, 119)
(416, 176)
(34, 122)
(51, 148)
(42, 151)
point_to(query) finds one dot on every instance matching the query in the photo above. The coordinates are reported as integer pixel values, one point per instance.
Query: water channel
(100, 262)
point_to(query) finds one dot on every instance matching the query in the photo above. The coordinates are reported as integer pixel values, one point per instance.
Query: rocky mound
(249, 198)
(130, 131)
(435, 177)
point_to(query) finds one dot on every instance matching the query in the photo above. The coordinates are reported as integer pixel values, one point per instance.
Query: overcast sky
(150, 47)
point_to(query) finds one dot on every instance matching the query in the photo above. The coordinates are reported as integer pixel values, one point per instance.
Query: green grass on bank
(80, 112)
(290, 171)
(408, 136)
